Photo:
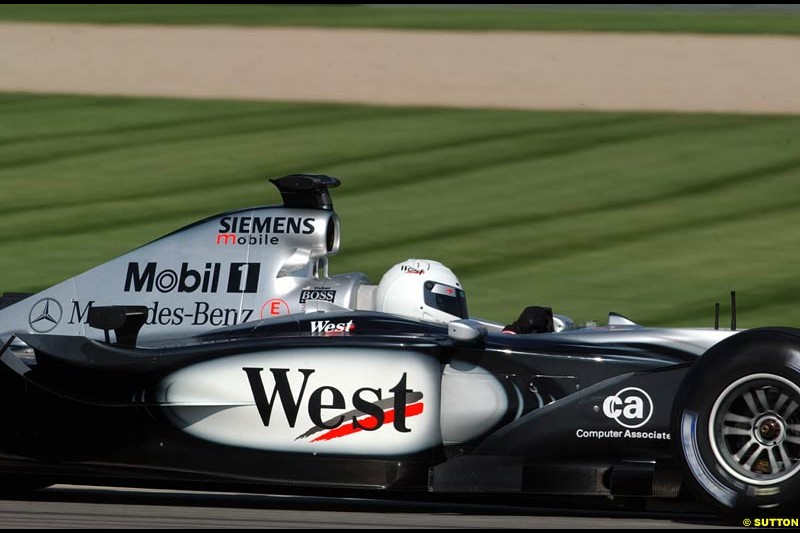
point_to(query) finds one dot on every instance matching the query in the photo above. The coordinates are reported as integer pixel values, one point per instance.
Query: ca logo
(630, 407)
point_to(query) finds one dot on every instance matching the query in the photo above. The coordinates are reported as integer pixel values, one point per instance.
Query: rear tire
(736, 423)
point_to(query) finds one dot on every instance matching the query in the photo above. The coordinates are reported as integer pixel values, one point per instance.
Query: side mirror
(466, 330)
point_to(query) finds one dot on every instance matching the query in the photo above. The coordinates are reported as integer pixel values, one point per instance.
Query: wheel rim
(755, 429)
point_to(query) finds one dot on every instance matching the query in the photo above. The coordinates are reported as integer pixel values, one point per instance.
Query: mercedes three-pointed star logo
(45, 315)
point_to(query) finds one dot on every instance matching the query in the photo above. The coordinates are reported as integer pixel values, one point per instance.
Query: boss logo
(325, 295)
(631, 407)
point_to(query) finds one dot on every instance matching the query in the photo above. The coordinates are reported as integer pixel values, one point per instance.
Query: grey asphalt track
(64, 506)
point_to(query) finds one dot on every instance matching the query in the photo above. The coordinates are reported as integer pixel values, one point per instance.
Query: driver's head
(422, 289)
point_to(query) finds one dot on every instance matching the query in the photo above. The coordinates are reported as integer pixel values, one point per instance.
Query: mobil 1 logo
(232, 277)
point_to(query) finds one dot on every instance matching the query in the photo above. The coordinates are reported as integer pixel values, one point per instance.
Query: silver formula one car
(224, 354)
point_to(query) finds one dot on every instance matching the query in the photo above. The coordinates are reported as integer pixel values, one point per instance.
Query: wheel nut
(770, 429)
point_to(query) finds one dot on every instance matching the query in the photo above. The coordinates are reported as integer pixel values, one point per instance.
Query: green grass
(353, 16)
(656, 216)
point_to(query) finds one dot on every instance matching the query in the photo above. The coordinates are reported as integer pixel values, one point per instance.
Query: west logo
(368, 411)
(242, 277)
(408, 269)
(326, 326)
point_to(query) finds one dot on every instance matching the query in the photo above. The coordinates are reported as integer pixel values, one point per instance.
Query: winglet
(616, 319)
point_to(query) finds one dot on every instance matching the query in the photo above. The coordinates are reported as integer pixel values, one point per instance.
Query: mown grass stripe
(510, 222)
(203, 119)
(616, 238)
(464, 139)
(126, 139)
(416, 147)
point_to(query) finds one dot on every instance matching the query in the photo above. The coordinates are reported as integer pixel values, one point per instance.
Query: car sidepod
(346, 401)
(338, 412)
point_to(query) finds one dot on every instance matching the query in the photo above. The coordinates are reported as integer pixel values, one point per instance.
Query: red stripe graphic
(369, 421)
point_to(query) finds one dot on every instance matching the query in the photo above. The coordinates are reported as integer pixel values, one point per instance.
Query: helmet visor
(445, 298)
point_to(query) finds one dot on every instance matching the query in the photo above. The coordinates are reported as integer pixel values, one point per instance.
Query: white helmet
(422, 289)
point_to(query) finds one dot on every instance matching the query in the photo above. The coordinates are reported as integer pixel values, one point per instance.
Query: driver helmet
(422, 289)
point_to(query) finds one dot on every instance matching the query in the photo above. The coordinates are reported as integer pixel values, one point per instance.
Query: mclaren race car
(224, 353)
